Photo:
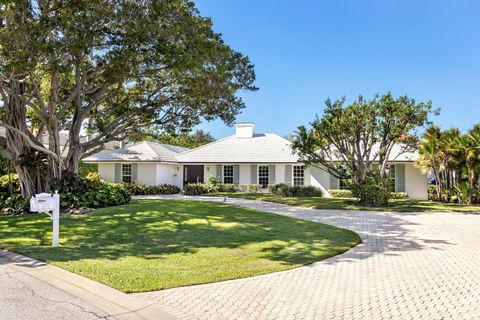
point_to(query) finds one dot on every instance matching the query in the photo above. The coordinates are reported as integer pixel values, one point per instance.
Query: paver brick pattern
(408, 266)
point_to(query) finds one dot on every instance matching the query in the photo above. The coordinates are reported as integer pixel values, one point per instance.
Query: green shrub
(227, 187)
(11, 202)
(85, 168)
(76, 192)
(344, 193)
(285, 190)
(214, 181)
(196, 189)
(398, 195)
(371, 194)
(138, 189)
(340, 193)
(249, 188)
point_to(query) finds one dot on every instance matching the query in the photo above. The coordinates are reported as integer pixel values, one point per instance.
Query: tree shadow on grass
(157, 229)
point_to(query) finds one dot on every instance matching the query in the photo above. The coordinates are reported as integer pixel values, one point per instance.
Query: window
(227, 174)
(298, 175)
(343, 184)
(263, 176)
(391, 177)
(126, 173)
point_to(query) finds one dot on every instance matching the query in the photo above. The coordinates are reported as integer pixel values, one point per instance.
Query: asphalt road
(23, 297)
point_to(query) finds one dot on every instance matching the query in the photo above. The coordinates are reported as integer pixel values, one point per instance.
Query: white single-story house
(243, 158)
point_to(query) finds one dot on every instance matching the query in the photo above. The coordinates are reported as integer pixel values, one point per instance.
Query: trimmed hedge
(285, 190)
(138, 189)
(196, 189)
(345, 193)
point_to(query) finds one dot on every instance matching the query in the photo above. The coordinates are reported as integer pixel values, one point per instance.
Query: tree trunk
(15, 116)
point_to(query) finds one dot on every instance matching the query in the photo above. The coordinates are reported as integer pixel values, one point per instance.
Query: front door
(192, 174)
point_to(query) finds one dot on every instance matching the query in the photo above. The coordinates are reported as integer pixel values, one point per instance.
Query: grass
(395, 205)
(158, 244)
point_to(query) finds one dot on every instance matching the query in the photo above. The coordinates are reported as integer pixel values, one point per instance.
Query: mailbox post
(45, 203)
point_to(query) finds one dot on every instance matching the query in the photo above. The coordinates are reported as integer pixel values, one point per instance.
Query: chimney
(245, 130)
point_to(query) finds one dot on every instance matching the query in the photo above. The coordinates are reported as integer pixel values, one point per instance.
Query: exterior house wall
(245, 174)
(170, 174)
(107, 171)
(279, 173)
(416, 183)
(320, 178)
(147, 174)
(209, 170)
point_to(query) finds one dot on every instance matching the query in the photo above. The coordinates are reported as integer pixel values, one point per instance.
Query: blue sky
(306, 51)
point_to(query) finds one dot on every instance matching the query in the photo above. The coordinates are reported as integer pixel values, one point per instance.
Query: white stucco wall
(416, 185)
(279, 173)
(169, 174)
(107, 171)
(319, 178)
(209, 170)
(147, 174)
(245, 173)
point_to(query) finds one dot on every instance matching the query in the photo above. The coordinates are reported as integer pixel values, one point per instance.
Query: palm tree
(429, 155)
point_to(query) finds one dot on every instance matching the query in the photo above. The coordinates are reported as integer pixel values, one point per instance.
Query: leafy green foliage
(138, 189)
(398, 195)
(371, 194)
(3, 166)
(89, 192)
(345, 193)
(250, 188)
(343, 140)
(285, 190)
(85, 168)
(195, 189)
(453, 158)
(340, 193)
(118, 67)
(185, 140)
(11, 202)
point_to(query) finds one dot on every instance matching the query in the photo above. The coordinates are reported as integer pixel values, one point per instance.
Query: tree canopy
(110, 68)
(453, 158)
(355, 141)
(183, 139)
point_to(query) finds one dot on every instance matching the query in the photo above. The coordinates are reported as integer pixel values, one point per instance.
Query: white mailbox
(46, 203)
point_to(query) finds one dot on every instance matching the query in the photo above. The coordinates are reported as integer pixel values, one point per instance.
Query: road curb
(117, 304)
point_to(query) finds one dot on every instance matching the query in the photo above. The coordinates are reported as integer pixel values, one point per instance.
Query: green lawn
(158, 244)
(350, 203)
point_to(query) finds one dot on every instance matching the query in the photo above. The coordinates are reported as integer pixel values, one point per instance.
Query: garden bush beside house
(285, 190)
(346, 193)
(75, 192)
(136, 189)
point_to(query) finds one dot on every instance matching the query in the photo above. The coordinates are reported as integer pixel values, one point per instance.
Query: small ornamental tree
(355, 141)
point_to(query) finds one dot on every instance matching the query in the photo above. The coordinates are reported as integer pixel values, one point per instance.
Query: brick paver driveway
(409, 266)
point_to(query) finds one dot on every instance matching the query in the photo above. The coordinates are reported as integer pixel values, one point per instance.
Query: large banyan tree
(107, 69)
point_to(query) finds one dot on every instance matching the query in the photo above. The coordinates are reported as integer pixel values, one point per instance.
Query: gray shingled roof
(143, 151)
(261, 148)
